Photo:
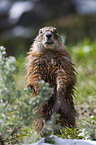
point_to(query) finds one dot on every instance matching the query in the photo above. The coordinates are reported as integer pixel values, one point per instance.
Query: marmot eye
(40, 32)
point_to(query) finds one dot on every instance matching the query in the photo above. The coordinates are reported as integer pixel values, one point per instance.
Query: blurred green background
(20, 21)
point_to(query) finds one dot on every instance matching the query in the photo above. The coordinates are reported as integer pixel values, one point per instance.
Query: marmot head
(48, 38)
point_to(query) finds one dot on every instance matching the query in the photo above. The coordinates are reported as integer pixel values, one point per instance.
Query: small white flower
(86, 49)
(91, 116)
(3, 115)
(4, 52)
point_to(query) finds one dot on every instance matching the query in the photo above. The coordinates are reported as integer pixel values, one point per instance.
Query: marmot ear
(40, 31)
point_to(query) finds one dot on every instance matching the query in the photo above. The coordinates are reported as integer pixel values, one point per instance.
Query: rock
(60, 141)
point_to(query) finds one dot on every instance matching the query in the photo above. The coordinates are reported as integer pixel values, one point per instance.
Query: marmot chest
(47, 68)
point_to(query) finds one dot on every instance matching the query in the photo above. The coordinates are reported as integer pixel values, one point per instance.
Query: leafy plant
(9, 122)
(28, 114)
(28, 103)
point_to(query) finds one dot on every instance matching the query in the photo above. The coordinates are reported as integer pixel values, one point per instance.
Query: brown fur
(52, 63)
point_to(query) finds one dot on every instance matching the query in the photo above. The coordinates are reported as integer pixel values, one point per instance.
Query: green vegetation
(16, 119)
(84, 56)
(9, 96)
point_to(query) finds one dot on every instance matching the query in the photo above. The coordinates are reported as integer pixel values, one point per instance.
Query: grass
(84, 58)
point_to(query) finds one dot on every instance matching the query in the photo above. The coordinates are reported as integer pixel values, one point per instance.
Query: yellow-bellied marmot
(48, 60)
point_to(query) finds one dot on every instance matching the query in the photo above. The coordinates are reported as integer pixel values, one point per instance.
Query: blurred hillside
(20, 21)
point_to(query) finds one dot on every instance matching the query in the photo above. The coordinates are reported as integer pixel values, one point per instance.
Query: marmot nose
(48, 35)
